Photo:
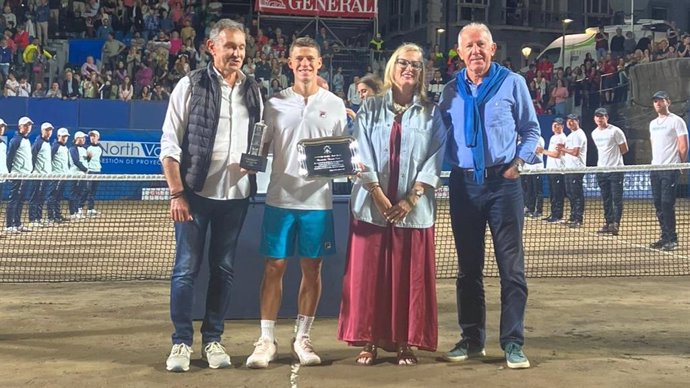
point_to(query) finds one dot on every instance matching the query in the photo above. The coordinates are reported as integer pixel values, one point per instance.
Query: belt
(489, 172)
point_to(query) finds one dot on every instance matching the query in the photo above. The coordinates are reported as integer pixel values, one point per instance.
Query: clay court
(582, 329)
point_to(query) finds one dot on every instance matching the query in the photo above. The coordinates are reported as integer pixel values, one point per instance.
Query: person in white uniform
(611, 146)
(668, 134)
(575, 156)
(554, 161)
(297, 210)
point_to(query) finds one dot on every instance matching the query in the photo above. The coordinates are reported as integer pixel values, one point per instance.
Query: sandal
(368, 355)
(406, 356)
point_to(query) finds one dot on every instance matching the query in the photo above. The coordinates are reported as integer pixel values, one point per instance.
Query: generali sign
(361, 9)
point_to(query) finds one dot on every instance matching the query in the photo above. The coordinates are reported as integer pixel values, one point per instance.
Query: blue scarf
(474, 112)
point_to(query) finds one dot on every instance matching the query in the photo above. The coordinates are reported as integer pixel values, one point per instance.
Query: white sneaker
(22, 228)
(265, 351)
(93, 213)
(35, 224)
(214, 353)
(178, 360)
(11, 230)
(76, 216)
(303, 350)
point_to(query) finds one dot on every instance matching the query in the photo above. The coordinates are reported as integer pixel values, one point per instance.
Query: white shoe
(22, 228)
(92, 213)
(214, 353)
(265, 351)
(11, 230)
(35, 224)
(76, 216)
(303, 350)
(178, 360)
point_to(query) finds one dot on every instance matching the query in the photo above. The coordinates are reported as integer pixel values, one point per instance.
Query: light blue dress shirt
(506, 115)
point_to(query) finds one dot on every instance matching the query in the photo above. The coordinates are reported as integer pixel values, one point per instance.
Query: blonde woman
(389, 297)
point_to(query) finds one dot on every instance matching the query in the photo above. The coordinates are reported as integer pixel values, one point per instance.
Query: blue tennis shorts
(310, 230)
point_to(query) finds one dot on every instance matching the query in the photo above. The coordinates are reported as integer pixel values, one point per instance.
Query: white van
(578, 45)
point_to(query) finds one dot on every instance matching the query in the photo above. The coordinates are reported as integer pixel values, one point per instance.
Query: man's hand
(511, 172)
(398, 212)
(179, 210)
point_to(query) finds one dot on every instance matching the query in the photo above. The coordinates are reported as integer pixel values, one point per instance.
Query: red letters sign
(361, 9)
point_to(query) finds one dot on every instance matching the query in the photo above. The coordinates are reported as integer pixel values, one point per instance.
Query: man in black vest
(206, 129)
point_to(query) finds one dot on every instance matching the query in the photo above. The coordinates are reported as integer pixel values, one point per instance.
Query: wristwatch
(519, 163)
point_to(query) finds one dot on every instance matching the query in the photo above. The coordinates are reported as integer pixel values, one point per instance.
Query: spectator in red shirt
(609, 78)
(602, 43)
(546, 68)
(21, 38)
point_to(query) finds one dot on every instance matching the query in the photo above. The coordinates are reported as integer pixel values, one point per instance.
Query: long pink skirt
(389, 288)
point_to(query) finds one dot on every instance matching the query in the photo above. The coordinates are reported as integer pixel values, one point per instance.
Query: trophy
(254, 159)
(328, 157)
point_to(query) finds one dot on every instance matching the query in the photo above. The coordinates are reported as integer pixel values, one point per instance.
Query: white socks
(303, 326)
(268, 329)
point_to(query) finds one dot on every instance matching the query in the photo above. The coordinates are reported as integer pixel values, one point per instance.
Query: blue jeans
(225, 219)
(499, 202)
(664, 186)
(576, 195)
(611, 187)
(19, 189)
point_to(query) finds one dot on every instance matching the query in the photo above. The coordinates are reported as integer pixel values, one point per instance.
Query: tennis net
(130, 236)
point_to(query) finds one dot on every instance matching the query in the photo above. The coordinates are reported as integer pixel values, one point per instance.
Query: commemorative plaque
(328, 157)
(254, 159)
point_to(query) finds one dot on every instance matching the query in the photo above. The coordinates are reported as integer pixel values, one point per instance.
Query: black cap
(601, 112)
(558, 120)
(661, 95)
(573, 116)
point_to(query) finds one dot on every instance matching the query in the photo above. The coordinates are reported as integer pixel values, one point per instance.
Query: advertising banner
(357, 9)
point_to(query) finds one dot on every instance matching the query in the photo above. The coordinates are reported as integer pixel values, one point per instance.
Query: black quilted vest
(202, 124)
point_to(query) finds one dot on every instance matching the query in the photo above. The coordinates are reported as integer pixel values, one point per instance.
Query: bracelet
(177, 194)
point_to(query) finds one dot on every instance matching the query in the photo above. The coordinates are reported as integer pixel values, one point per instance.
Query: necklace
(399, 108)
(662, 121)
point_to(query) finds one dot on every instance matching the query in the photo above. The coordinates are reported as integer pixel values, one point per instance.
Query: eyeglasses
(417, 65)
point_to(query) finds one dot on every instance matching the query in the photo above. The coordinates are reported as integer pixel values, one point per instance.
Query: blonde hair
(388, 83)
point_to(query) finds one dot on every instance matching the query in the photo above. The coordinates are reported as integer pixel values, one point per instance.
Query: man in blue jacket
(19, 161)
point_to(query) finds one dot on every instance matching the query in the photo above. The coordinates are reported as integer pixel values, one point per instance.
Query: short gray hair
(477, 26)
(224, 24)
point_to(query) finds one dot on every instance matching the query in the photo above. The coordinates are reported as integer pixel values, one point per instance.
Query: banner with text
(358, 9)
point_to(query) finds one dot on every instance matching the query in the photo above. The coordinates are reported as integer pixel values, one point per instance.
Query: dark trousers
(498, 202)
(557, 194)
(54, 199)
(225, 219)
(611, 187)
(576, 196)
(89, 194)
(38, 196)
(664, 185)
(19, 189)
(76, 196)
(534, 193)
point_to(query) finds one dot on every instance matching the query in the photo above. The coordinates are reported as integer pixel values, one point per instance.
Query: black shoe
(669, 246)
(604, 229)
(552, 220)
(537, 215)
(613, 229)
(657, 244)
(574, 224)
(529, 215)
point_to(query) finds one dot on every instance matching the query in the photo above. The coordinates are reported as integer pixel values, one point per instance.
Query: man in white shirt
(575, 156)
(611, 146)
(669, 137)
(206, 130)
(554, 161)
(297, 209)
(43, 165)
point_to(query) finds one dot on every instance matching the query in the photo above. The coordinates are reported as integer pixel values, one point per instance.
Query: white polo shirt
(551, 162)
(289, 120)
(576, 139)
(608, 141)
(663, 133)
